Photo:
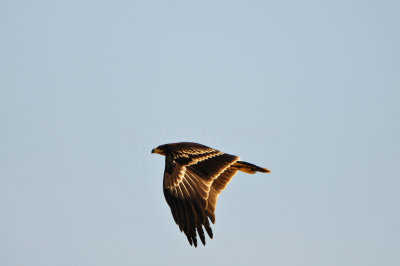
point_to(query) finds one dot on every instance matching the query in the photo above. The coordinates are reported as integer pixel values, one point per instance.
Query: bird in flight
(194, 177)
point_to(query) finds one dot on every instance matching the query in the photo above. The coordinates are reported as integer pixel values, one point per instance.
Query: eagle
(194, 177)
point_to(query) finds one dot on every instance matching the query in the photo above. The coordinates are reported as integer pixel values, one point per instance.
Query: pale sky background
(308, 89)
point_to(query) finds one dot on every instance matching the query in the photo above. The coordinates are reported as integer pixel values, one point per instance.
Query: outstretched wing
(193, 179)
(217, 187)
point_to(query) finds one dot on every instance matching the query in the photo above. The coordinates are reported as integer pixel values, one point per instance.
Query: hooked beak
(157, 150)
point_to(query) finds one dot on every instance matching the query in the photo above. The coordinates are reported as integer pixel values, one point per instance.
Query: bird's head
(180, 147)
(159, 150)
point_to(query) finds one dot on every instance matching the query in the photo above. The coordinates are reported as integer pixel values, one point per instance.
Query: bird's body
(194, 177)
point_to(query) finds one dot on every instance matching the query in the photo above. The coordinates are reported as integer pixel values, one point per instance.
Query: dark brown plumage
(194, 177)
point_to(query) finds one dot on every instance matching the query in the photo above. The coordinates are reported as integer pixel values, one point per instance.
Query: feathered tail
(250, 168)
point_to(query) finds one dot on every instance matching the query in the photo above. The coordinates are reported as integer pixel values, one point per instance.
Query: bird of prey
(194, 177)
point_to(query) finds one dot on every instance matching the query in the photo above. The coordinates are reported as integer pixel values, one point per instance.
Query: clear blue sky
(308, 89)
